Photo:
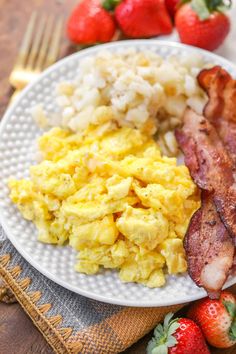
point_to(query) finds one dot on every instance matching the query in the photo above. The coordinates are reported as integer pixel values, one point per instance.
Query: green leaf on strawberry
(204, 8)
(217, 319)
(230, 307)
(110, 5)
(163, 336)
(232, 331)
(222, 6)
(200, 7)
(202, 24)
(177, 335)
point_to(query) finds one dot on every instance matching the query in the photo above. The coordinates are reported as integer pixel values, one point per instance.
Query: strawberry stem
(204, 8)
(163, 336)
(201, 8)
(110, 5)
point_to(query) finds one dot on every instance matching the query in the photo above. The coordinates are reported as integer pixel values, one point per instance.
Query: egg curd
(113, 198)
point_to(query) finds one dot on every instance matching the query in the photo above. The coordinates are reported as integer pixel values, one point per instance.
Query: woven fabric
(72, 323)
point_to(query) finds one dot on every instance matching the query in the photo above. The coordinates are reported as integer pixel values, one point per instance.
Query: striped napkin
(72, 323)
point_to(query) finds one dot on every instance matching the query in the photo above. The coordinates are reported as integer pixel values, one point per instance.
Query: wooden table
(17, 332)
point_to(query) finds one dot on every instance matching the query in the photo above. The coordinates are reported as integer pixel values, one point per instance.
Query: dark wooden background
(18, 335)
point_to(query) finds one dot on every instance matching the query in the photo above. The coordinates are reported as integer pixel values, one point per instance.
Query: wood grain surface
(18, 335)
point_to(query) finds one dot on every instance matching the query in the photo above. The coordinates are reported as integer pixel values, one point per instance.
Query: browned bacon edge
(208, 245)
(209, 248)
(221, 107)
(213, 82)
(210, 165)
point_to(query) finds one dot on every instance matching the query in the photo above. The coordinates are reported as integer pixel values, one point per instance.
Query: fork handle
(14, 96)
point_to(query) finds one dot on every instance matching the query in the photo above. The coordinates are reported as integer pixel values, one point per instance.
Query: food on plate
(221, 108)
(177, 336)
(209, 248)
(212, 170)
(217, 319)
(114, 198)
(209, 146)
(143, 19)
(135, 89)
(203, 24)
(90, 23)
(210, 165)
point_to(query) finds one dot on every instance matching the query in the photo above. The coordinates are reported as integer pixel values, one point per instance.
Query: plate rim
(7, 114)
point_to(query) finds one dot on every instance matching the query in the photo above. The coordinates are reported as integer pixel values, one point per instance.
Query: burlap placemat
(72, 323)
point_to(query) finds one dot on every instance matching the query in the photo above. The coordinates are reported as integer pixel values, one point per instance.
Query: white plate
(18, 133)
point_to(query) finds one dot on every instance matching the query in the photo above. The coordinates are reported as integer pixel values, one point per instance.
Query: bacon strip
(213, 82)
(209, 248)
(221, 107)
(210, 165)
(208, 245)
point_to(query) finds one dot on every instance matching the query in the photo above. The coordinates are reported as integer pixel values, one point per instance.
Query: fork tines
(40, 45)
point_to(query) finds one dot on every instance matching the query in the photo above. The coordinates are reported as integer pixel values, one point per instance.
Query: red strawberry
(217, 319)
(203, 27)
(177, 336)
(89, 23)
(171, 6)
(143, 18)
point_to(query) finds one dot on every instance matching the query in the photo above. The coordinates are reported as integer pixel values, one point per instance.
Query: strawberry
(217, 319)
(89, 23)
(177, 336)
(171, 6)
(202, 23)
(143, 18)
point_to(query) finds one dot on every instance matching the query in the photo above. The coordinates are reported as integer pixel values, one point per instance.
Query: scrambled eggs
(112, 197)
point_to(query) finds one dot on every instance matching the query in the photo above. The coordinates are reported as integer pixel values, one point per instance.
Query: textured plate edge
(80, 54)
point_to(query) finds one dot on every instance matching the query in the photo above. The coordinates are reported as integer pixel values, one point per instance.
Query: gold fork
(39, 49)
